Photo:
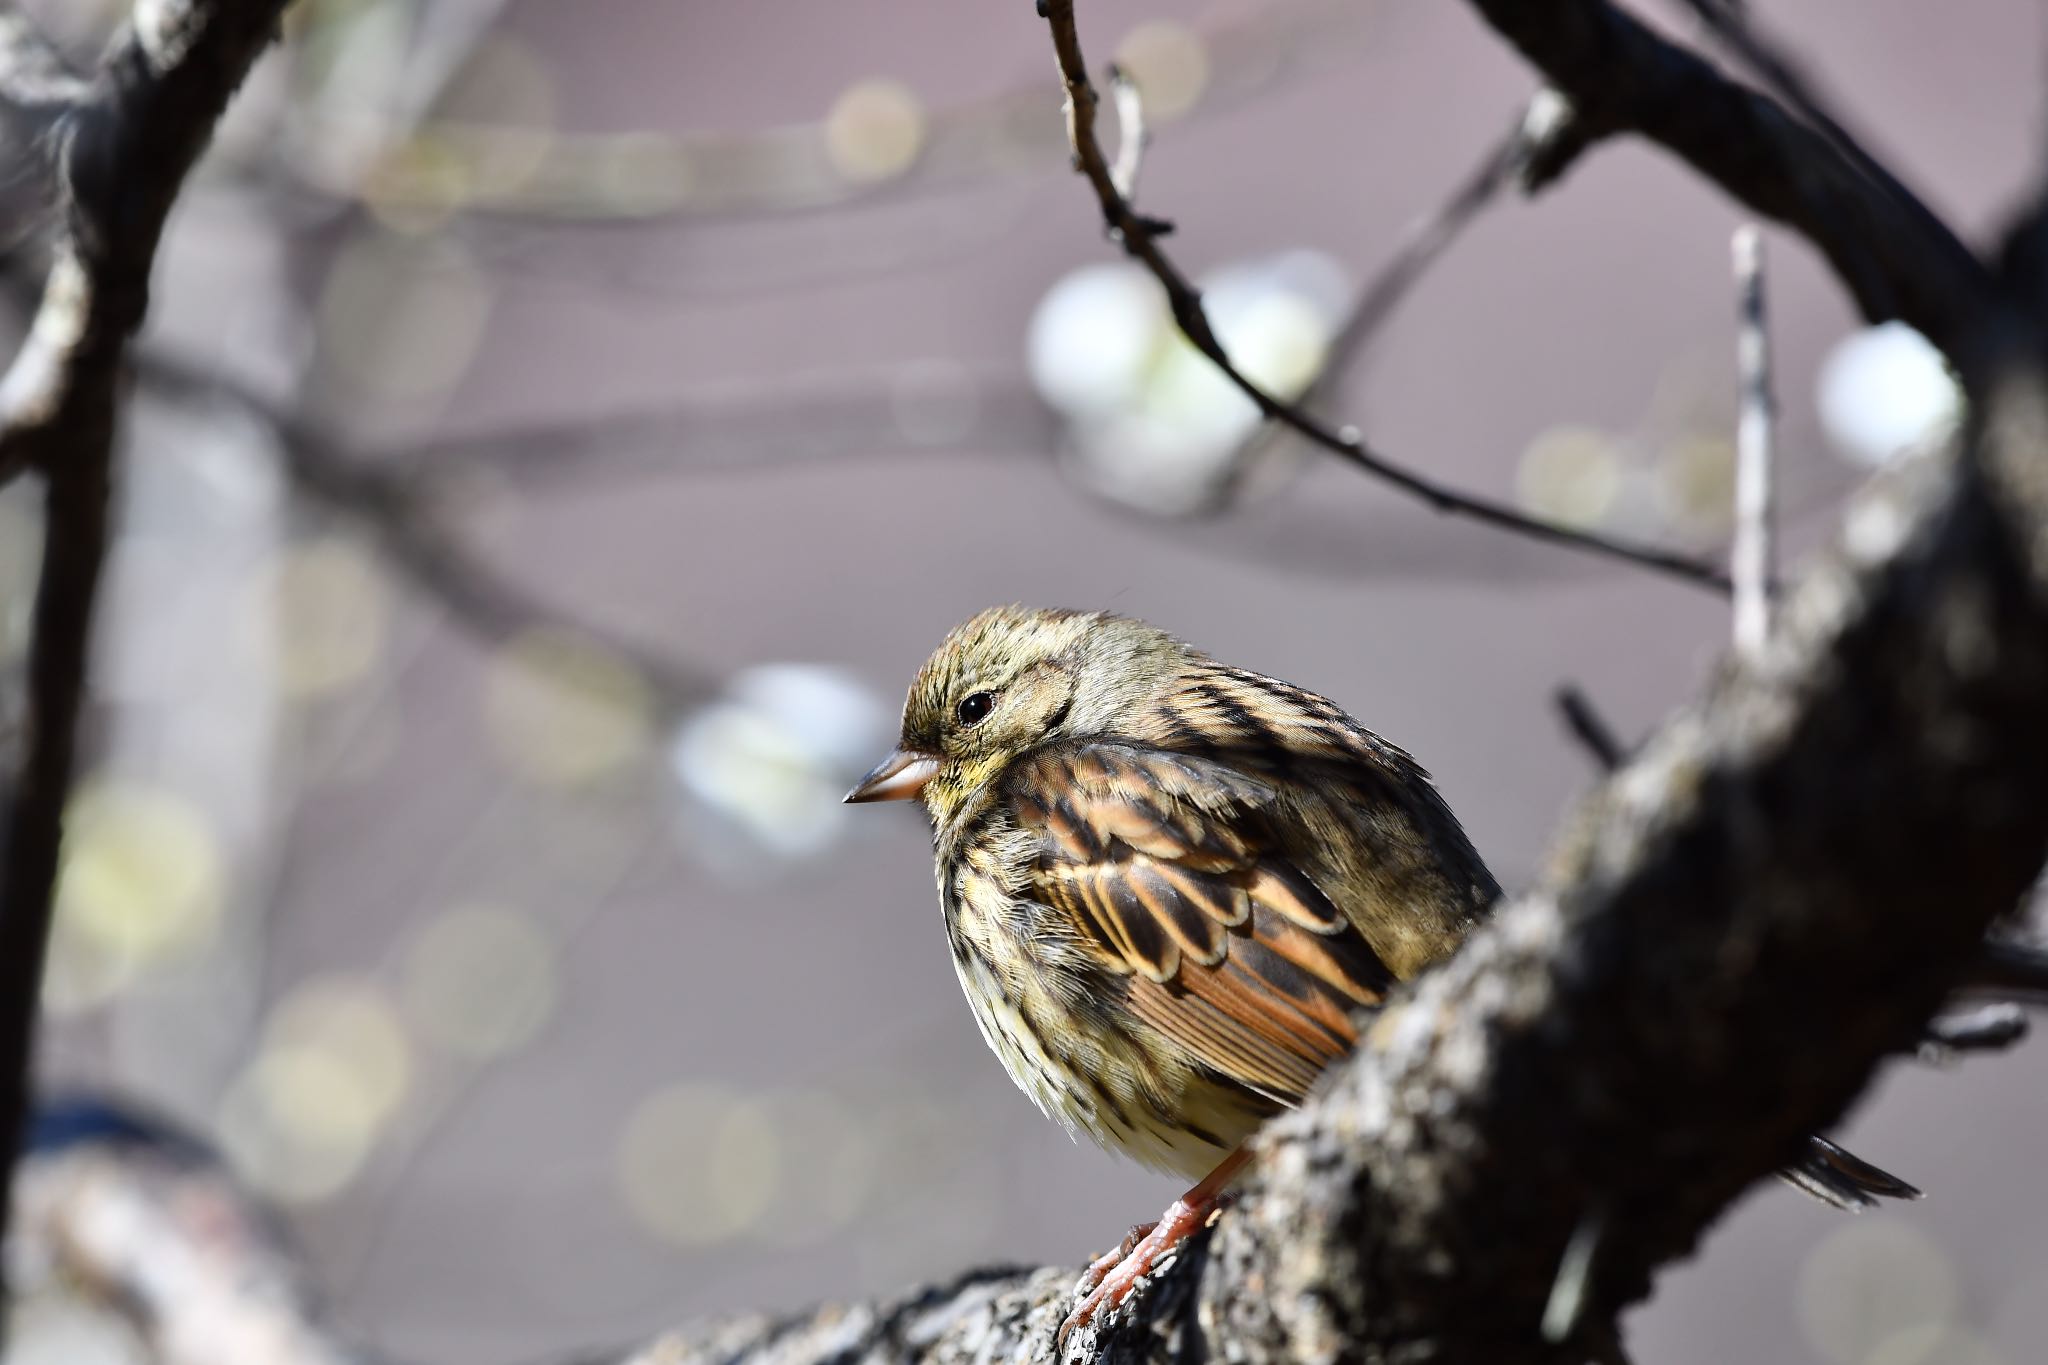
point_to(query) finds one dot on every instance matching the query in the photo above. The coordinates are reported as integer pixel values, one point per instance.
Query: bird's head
(1007, 681)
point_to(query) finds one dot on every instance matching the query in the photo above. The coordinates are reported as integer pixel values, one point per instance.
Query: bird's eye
(974, 707)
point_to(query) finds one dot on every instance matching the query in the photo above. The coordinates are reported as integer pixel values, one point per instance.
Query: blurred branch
(1139, 237)
(1538, 147)
(119, 154)
(37, 89)
(788, 421)
(545, 177)
(1896, 258)
(1590, 728)
(382, 497)
(165, 1242)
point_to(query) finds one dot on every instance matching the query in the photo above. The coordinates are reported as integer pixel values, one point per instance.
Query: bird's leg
(1110, 1280)
(1110, 1260)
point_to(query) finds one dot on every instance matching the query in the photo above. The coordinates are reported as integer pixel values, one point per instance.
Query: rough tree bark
(1737, 928)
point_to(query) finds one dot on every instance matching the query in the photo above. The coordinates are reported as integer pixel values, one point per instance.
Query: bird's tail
(1843, 1179)
(2006, 970)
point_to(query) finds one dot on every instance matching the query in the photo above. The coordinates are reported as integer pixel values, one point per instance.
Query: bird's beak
(899, 777)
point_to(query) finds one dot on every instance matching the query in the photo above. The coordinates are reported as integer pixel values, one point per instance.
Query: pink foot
(1110, 1280)
(1110, 1260)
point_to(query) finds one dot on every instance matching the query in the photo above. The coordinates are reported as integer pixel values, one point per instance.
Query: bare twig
(129, 141)
(1589, 728)
(1139, 237)
(1537, 147)
(163, 1240)
(1754, 559)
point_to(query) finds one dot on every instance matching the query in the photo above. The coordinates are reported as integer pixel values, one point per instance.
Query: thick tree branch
(119, 153)
(1778, 893)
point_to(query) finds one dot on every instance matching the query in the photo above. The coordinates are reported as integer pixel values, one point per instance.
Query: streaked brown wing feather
(1168, 864)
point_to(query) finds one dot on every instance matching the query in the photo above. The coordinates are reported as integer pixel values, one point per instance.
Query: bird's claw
(1112, 1278)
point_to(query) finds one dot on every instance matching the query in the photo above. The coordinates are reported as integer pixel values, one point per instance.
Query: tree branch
(1896, 257)
(1139, 236)
(1777, 894)
(118, 150)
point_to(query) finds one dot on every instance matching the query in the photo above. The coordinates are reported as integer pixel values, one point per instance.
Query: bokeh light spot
(1867, 1282)
(332, 1070)
(328, 607)
(777, 754)
(698, 1164)
(1570, 475)
(140, 884)
(1169, 64)
(399, 318)
(1696, 482)
(875, 131)
(562, 711)
(1093, 336)
(478, 981)
(335, 1058)
(279, 1160)
(1883, 390)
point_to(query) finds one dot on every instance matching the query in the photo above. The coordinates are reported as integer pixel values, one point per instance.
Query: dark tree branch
(1140, 235)
(1897, 258)
(1538, 147)
(1590, 728)
(119, 151)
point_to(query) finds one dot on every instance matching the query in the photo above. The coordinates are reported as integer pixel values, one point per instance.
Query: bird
(1173, 889)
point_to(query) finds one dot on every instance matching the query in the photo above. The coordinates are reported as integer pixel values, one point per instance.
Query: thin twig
(1139, 237)
(1753, 563)
(1536, 148)
(1589, 729)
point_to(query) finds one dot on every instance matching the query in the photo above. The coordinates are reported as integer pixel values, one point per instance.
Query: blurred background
(563, 429)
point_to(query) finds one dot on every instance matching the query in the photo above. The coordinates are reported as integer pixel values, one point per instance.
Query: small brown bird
(1171, 887)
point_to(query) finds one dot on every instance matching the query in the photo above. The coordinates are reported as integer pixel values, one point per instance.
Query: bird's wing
(1168, 864)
